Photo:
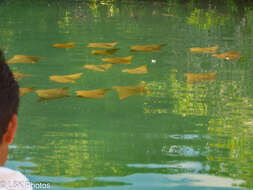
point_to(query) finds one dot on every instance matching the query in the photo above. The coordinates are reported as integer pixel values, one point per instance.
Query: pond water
(180, 135)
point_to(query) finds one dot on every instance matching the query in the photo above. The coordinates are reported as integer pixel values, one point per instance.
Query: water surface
(179, 136)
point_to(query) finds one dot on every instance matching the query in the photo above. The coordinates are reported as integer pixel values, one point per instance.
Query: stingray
(18, 76)
(65, 78)
(24, 59)
(102, 45)
(147, 48)
(139, 70)
(98, 67)
(125, 91)
(204, 50)
(105, 52)
(228, 55)
(67, 45)
(52, 93)
(23, 91)
(121, 60)
(91, 93)
(200, 77)
(132, 15)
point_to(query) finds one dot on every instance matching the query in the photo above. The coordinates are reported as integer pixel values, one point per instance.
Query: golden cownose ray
(200, 77)
(102, 45)
(105, 52)
(24, 59)
(228, 55)
(23, 91)
(18, 76)
(67, 45)
(120, 60)
(204, 50)
(98, 67)
(91, 93)
(65, 78)
(147, 48)
(125, 91)
(52, 93)
(139, 70)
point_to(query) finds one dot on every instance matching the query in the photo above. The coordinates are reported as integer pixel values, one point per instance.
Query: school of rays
(108, 49)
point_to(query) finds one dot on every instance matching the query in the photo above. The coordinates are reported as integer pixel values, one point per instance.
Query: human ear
(12, 127)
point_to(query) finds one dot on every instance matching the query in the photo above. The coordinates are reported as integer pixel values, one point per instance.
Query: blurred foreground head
(9, 101)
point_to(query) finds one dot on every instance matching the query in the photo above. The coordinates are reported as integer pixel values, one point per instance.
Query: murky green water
(179, 136)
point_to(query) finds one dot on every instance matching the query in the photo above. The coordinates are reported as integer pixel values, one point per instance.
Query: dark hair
(9, 96)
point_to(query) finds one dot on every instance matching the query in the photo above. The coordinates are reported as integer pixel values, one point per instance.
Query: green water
(179, 136)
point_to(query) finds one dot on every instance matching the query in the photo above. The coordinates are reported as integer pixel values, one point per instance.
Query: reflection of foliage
(95, 7)
(207, 19)
(65, 22)
(230, 153)
(229, 149)
(70, 152)
(7, 35)
(190, 100)
(88, 183)
(156, 98)
(73, 142)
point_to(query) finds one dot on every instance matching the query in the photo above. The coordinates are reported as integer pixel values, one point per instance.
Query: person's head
(9, 101)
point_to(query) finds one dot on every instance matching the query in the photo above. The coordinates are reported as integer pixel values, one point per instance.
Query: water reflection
(180, 135)
(178, 181)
